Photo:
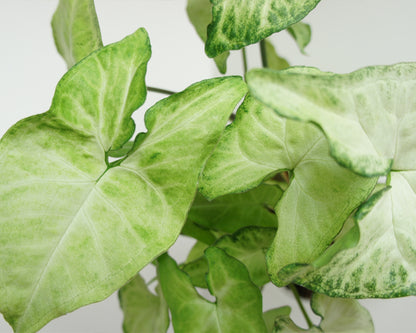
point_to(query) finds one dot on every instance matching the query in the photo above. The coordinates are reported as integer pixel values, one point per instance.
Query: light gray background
(347, 35)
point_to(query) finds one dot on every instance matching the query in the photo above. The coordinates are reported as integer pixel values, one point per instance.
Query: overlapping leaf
(74, 228)
(235, 211)
(301, 33)
(338, 315)
(236, 24)
(76, 30)
(368, 117)
(200, 15)
(144, 312)
(228, 281)
(321, 194)
(248, 245)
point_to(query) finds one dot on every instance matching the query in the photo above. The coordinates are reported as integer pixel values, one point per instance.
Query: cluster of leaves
(286, 193)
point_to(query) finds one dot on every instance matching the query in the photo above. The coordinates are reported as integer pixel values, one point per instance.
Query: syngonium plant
(288, 193)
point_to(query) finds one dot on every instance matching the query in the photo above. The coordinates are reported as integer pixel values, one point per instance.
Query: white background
(346, 35)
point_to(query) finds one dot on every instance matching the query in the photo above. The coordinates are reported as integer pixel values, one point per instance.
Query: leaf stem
(263, 53)
(244, 60)
(160, 91)
(302, 308)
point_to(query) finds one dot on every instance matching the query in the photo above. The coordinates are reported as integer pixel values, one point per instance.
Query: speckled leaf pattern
(144, 311)
(76, 30)
(228, 281)
(248, 245)
(338, 315)
(236, 24)
(321, 194)
(200, 15)
(368, 116)
(383, 263)
(74, 228)
(301, 33)
(235, 211)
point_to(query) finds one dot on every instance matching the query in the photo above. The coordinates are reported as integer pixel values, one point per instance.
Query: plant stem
(244, 60)
(298, 300)
(263, 53)
(160, 91)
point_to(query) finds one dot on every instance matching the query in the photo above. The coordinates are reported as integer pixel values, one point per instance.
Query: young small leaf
(301, 33)
(236, 24)
(274, 61)
(271, 315)
(200, 15)
(76, 30)
(144, 312)
(228, 281)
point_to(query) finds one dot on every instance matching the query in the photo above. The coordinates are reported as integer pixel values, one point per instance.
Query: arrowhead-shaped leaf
(235, 211)
(200, 15)
(144, 312)
(368, 117)
(338, 315)
(248, 245)
(76, 30)
(73, 227)
(236, 24)
(274, 61)
(320, 196)
(228, 281)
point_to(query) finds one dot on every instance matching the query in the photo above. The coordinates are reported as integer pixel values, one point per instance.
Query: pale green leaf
(274, 61)
(200, 15)
(248, 245)
(383, 263)
(271, 315)
(321, 194)
(339, 315)
(235, 211)
(74, 228)
(368, 116)
(301, 33)
(144, 312)
(76, 30)
(121, 152)
(236, 24)
(228, 281)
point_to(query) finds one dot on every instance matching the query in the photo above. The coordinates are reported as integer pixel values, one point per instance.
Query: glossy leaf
(274, 61)
(144, 312)
(76, 30)
(228, 281)
(368, 116)
(248, 245)
(301, 33)
(200, 15)
(235, 211)
(74, 228)
(236, 24)
(338, 315)
(320, 196)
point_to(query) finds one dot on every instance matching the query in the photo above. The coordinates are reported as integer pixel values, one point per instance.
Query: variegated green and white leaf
(338, 315)
(200, 15)
(228, 281)
(248, 245)
(368, 116)
(321, 194)
(235, 211)
(301, 33)
(144, 312)
(236, 24)
(73, 227)
(76, 30)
